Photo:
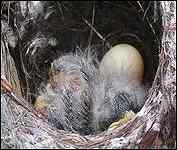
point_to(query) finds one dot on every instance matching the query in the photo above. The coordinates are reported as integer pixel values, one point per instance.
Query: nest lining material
(33, 132)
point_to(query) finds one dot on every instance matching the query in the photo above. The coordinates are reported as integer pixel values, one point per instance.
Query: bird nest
(36, 33)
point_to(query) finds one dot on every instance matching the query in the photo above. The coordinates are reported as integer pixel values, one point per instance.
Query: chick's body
(71, 103)
(85, 101)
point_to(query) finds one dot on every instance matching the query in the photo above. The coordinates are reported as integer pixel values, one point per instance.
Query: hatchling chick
(67, 94)
(85, 99)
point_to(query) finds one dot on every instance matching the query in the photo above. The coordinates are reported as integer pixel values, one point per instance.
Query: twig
(141, 8)
(145, 12)
(155, 11)
(8, 13)
(93, 28)
(91, 31)
(60, 8)
(21, 116)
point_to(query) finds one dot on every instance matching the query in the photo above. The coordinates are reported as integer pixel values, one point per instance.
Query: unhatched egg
(125, 60)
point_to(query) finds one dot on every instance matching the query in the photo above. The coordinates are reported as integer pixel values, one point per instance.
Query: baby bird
(70, 105)
(83, 99)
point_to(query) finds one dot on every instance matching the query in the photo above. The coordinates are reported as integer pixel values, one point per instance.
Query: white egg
(123, 60)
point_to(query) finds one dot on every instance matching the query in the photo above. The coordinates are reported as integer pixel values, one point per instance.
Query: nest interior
(48, 30)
